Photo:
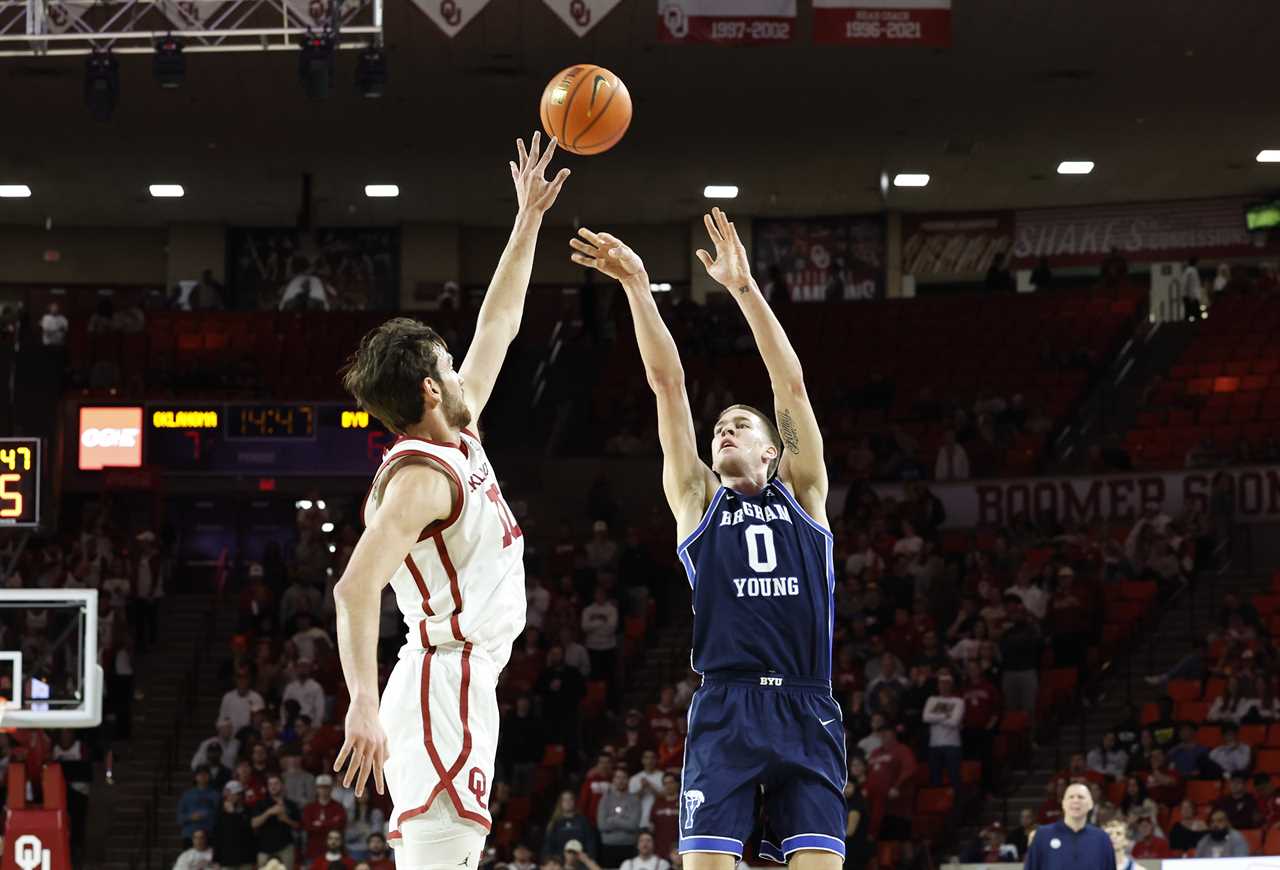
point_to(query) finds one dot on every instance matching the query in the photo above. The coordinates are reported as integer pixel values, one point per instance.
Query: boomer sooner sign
(1113, 497)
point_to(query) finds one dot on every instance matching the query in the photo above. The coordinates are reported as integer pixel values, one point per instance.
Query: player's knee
(814, 859)
(425, 845)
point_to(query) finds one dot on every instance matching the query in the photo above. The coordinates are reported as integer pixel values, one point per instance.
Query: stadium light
(1075, 167)
(720, 191)
(168, 66)
(911, 179)
(382, 191)
(14, 191)
(316, 64)
(101, 84)
(1269, 155)
(167, 191)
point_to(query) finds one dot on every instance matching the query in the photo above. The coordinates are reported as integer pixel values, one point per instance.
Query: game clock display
(280, 439)
(20, 461)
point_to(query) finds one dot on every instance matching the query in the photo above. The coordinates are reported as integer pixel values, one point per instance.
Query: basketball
(587, 108)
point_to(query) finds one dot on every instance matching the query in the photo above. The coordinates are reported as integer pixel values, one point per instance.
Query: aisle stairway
(152, 769)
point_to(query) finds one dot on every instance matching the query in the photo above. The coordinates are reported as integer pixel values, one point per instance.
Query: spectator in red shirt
(379, 857)
(334, 856)
(889, 788)
(595, 784)
(671, 750)
(1164, 785)
(982, 706)
(662, 715)
(321, 817)
(1268, 799)
(1147, 844)
(255, 787)
(664, 818)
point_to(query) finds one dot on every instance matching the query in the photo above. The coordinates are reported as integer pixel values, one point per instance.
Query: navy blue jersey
(763, 586)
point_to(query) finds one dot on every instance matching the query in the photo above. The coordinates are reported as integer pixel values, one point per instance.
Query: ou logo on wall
(30, 854)
(110, 438)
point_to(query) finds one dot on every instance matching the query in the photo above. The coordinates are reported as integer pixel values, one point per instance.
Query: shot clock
(20, 462)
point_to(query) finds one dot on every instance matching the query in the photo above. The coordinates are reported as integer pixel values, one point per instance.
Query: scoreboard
(262, 438)
(20, 461)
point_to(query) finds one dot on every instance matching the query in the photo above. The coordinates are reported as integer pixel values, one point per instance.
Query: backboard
(49, 671)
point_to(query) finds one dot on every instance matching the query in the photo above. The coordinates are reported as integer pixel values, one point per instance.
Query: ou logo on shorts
(478, 785)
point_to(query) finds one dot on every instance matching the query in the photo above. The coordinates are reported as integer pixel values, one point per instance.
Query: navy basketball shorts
(749, 732)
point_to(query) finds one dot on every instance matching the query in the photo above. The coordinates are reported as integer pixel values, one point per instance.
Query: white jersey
(461, 590)
(463, 581)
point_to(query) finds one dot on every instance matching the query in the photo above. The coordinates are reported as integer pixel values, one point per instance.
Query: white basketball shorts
(440, 713)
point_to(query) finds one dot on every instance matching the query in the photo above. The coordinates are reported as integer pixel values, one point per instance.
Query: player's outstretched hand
(533, 191)
(364, 750)
(605, 253)
(731, 268)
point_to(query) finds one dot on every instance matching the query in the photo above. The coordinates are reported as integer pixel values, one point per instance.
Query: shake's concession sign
(1255, 495)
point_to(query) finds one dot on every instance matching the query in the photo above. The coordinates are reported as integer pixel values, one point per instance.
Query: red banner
(727, 22)
(882, 22)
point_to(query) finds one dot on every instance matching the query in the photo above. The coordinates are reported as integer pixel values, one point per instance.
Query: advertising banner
(110, 438)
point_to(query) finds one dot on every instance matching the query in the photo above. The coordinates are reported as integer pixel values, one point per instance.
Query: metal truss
(77, 27)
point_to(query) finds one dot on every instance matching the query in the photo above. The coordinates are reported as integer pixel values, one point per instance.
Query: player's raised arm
(802, 466)
(686, 480)
(416, 495)
(503, 307)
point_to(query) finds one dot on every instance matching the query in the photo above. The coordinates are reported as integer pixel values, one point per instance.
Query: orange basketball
(587, 108)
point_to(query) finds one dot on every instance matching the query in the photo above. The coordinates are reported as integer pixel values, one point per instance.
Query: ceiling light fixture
(14, 191)
(382, 191)
(168, 66)
(911, 179)
(1269, 155)
(1075, 167)
(167, 191)
(720, 191)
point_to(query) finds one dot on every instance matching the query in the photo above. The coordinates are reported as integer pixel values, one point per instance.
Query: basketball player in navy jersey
(753, 538)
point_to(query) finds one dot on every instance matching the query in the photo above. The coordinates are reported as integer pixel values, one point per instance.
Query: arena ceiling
(1170, 99)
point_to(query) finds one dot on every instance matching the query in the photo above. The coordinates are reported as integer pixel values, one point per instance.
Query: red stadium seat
(935, 801)
(1194, 712)
(1268, 761)
(1253, 836)
(553, 755)
(1209, 736)
(1184, 690)
(1271, 842)
(1253, 735)
(1203, 791)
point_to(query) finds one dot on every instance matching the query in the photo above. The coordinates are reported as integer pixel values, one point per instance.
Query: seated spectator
(197, 806)
(274, 819)
(522, 858)
(321, 817)
(378, 853)
(1268, 799)
(239, 703)
(1235, 703)
(1188, 756)
(1222, 841)
(1020, 837)
(226, 742)
(1188, 830)
(567, 825)
(199, 856)
(1232, 756)
(1163, 783)
(1136, 804)
(1241, 807)
(364, 821)
(334, 856)
(1033, 597)
(645, 858)
(618, 821)
(1108, 759)
(232, 835)
(307, 692)
(990, 847)
(576, 857)
(1148, 843)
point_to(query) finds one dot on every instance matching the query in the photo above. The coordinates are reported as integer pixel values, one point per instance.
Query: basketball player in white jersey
(439, 531)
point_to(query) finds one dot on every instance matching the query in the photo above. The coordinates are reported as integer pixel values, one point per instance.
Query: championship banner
(1145, 232)
(451, 15)
(581, 15)
(1255, 492)
(821, 259)
(954, 247)
(727, 22)
(882, 22)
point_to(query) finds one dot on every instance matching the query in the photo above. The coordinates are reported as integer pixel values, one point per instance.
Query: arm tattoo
(790, 436)
(744, 288)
